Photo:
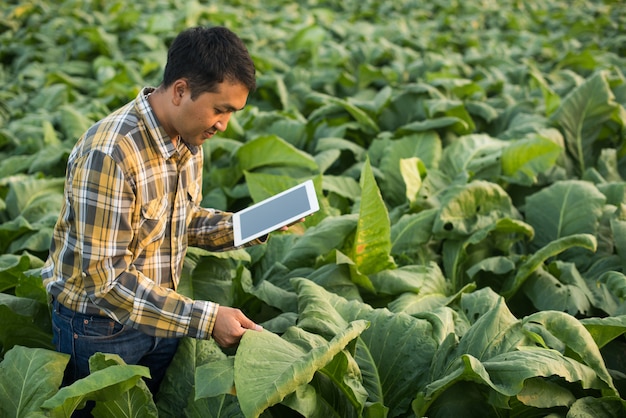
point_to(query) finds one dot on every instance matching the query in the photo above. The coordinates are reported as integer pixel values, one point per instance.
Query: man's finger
(251, 325)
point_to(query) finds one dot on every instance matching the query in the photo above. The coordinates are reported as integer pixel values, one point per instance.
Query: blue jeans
(81, 336)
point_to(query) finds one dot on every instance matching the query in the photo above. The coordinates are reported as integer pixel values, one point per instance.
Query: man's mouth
(209, 134)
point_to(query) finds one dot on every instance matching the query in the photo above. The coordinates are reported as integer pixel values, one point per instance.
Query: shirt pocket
(153, 221)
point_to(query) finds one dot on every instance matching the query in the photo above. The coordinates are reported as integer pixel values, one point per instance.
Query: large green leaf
(605, 330)
(366, 123)
(24, 321)
(37, 241)
(309, 37)
(10, 268)
(342, 185)
(208, 276)
(406, 106)
(437, 123)
(136, 402)
(73, 122)
(394, 353)
(344, 372)
(462, 257)
(215, 378)
(478, 155)
(609, 291)
(288, 126)
(412, 171)
(339, 383)
(412, 231)
(51, 159)
(319, 240)
(425, 146)
(507, 373)
(34, 194)
(582, 115)
(551, 99)
(268, 368)
(496, 332)
(523, 160)
(542, 393)
(535, 260)
(101, 385)
(568, 291)
(472, 207)
(605, 407)
(371, 252)
(263, 185)
(223, 406)
(28, 377)
(327, 144)
(578, 342)
(270, 150)
(270, 293)
(451, 108)
(502, 353)
(177, 392)
(432, 290)
(336, 278)
(15, 164)
(463, 398)
(267, 259)
(305, 402)
(564, 208)
(412, 278)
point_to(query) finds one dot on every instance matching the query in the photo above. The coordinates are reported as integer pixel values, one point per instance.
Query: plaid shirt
(131, 209)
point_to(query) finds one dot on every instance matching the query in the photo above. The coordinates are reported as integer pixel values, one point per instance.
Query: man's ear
(179, 89)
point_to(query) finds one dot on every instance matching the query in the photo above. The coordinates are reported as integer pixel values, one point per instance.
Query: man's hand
(286, 227)
(230, 324)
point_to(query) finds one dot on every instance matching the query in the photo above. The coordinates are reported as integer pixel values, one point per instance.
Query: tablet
(275, 212)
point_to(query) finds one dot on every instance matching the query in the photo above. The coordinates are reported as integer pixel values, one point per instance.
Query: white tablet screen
(275, 212)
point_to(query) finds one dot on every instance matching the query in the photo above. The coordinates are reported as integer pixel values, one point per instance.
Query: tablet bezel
(313, 207)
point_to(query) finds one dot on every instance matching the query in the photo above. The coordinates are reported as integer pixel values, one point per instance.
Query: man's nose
(222, 123)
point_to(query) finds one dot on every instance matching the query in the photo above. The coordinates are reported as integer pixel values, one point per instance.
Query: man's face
(198, 120)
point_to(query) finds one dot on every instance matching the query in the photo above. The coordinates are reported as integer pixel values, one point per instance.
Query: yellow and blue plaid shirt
(131, 209)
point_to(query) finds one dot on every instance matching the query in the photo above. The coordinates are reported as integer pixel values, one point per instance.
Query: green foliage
(30, 380)
(29, 377)
(469, 157)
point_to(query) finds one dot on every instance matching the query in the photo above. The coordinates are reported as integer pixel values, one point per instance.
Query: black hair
(206, 57)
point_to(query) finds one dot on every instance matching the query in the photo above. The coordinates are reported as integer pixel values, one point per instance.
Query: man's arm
(212, 230)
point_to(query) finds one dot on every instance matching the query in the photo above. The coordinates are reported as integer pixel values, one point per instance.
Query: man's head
(206, 57)
(208, 77)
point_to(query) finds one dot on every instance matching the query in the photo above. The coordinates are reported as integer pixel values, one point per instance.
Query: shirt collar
(155, 129)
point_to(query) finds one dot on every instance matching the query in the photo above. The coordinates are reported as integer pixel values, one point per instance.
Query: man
(132, 194)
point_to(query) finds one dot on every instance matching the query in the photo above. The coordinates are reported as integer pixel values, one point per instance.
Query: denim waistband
(64, 310)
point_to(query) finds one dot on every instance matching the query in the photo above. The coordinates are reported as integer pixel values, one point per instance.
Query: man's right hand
(230, 325)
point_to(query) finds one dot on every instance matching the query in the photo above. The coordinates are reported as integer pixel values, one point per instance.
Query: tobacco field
(469, 256)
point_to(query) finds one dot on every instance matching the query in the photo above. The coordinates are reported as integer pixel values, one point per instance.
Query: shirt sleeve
(103, 203)
(212, 230)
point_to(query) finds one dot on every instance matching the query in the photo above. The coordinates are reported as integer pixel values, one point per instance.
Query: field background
(469, 156)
